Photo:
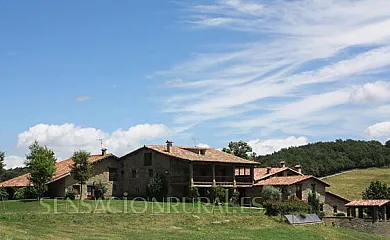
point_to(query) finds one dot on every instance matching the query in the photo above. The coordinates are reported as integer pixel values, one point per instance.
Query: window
(122, 164)
(147, 159)
(137, 190)
(112, 174)
(334, 209)
(243, 171)
(134, 173)
(122, 174)
(150, 172)
(114, 188)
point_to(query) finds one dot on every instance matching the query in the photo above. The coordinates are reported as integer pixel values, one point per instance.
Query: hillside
(352, 184)
(326, 158)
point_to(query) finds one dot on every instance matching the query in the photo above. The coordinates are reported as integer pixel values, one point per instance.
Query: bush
(100, 190)
(157, 188)
(314, 203)
(71, 193)
(217, 192)
(274, 208)
(26, 193)
(340, 214)
(271, 193)
(193, 193)
(234, 200)
(3, 194)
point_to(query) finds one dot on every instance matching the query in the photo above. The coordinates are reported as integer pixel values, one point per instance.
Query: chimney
(282, 164)
(169, 145)
(269, 170)
(298, 168)
(104, 151)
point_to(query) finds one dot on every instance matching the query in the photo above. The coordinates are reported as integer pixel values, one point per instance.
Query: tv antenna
(194, 139)
(101, 143)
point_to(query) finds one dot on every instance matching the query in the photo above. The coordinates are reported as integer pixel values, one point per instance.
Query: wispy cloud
(83, 98)
(311, 57)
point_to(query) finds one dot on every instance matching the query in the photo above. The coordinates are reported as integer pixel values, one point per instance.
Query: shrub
(192, 193)
(271, 193)
(71, 193)
(3, 194)
(274, 208)
(314, 203)
(157, 187)
(340, 214)
(100, 190)
(26, 193)
(217, 192)
(234, 200)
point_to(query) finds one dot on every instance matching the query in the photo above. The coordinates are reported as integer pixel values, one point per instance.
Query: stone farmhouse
(103, 171)
(185, 167)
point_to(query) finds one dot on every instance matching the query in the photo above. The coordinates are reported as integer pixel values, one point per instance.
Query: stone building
(183, 167)
(335, 204)
(104, 170)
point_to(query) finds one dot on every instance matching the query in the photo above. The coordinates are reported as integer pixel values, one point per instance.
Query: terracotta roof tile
(261, 173)
(190, 153)
(62, 168)
(285, 181)
(367, 203)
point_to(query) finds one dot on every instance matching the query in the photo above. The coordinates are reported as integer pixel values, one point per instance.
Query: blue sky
(273, 73)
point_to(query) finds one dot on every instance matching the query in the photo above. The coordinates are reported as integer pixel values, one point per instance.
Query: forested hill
(326, 158)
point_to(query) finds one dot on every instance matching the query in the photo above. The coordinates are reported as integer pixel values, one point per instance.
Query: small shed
(379, 208)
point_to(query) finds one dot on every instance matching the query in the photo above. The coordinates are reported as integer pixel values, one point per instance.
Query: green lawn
(351, 184)
(25, 220)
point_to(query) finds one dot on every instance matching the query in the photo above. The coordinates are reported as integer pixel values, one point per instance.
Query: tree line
(327, 158)
(321, 158)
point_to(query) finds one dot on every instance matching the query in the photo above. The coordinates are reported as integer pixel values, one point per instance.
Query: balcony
(208, 180)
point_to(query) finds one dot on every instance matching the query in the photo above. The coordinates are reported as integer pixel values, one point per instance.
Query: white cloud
(372, 93)
(65, 139)
(202, 145)
(83, 98)
(381, 129)
(13, 161)
(306, 56)
(263, 147)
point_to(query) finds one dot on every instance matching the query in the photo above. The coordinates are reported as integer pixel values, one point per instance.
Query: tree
(81, 168)
(41, 166)
(2, 155)
(314, 203)
(239, 149)
(387, 144)
(157, 187)
(376, 190)
(271, 193)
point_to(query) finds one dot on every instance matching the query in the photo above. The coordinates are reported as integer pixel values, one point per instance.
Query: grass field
(25, 220)
(351, 184)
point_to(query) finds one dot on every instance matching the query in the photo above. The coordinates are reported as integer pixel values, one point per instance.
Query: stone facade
(334, 205)
(135, 176)
(100, 173)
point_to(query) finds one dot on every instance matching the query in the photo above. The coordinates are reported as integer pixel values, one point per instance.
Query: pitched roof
(367, 203)
(62, 169)
(190, 154)
(337, 196)
(261, 173)
(289, 180)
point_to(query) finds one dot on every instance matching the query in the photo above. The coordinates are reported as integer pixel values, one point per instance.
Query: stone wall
(331, 201)
(99, 174)
(135, 186)
(358, 224)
